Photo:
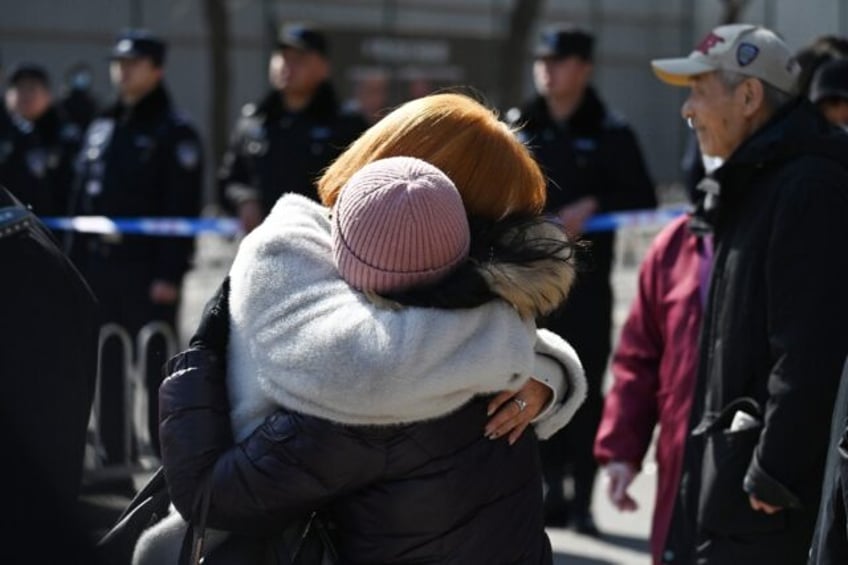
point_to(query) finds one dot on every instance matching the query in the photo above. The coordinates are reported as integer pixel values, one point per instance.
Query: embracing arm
(552, 348)
(287, 467)
(345, 358)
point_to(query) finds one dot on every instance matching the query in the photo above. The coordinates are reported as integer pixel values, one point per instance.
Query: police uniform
(592, 153)
(274, 150)
(143, 160)
(37, 158)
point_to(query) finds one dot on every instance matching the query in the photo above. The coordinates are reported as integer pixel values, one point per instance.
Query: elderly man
(774, 336)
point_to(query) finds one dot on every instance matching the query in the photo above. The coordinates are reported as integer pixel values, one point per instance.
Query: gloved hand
(213, 332)
(207, 352)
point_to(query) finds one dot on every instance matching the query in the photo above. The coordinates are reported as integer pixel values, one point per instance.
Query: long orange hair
(493, 171)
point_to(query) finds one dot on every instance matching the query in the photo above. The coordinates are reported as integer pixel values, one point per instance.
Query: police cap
(304, 37)
(29, 71)
(137, 44)
(564, 40)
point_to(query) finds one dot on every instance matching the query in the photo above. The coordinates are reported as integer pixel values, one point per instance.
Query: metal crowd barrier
(136, 436)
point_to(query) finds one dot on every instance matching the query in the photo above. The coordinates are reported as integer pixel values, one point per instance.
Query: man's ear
(753, 96)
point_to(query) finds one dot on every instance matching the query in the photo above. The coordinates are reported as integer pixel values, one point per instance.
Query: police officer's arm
(234, 178)
(628, 184)
(182, 189)
(237, 188)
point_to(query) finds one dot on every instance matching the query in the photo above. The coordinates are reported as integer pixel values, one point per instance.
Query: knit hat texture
(398, 223)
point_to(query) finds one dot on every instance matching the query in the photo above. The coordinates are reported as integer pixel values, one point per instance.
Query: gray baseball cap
(741, 48)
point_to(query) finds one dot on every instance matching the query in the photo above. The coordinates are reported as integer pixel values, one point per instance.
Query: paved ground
(625, 535)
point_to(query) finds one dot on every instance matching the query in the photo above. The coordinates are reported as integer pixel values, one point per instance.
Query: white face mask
(711, 163)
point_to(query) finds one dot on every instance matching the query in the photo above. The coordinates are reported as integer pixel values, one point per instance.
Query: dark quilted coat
(431, 492)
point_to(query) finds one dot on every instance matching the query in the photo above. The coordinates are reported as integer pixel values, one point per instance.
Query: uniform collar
(324, 104)
(587, 119)
(156, 103)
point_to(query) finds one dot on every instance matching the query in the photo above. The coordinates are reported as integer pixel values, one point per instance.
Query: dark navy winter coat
(423, 493)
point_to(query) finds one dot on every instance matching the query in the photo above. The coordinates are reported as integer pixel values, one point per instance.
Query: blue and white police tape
(167, 227)
(189, 227)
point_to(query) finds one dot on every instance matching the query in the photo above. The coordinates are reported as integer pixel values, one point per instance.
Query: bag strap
(153, 485)
(195, 537)
(314, 523)
(326, 539)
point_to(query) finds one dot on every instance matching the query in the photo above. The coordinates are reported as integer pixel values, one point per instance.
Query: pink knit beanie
(398, 223)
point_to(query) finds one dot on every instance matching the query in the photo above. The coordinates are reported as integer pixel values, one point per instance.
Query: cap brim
(823, 94)
(677, 72)
(299, 46)
(125, 55)
(544, 53)
(292, 45)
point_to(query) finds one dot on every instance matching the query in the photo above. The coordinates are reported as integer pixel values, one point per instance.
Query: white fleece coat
(303, 339)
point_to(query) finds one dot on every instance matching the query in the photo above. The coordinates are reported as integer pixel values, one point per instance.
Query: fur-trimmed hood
(538, 286)
(528, 262)
(303, 339)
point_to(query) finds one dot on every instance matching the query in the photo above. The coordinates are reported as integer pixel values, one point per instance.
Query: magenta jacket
(655, 364)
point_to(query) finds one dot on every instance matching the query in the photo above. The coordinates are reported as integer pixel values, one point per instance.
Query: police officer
(593, 162)
(140, 158)
(38, 144)
(282, 143)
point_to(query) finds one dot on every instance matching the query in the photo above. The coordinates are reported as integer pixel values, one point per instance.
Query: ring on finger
(521, 403)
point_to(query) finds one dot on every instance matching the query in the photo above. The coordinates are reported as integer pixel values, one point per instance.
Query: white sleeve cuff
(549, 373)
(574, 391)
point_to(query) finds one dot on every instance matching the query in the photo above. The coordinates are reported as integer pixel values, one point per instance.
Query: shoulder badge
(13, 219)
(100, 132)
(188, 154)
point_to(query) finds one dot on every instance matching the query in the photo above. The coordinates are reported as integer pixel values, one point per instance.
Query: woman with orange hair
(386, 419)
(494, 173)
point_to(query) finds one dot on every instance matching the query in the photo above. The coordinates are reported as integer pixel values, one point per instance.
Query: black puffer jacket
(432, 492)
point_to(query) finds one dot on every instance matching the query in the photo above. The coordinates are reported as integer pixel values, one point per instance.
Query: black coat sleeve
(290, 465)
(182, 186)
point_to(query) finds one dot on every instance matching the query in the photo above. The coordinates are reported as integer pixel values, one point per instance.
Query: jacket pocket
(723, 505)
